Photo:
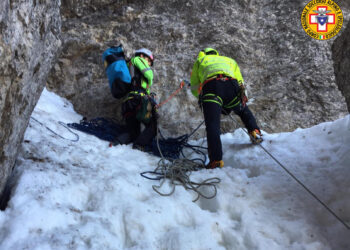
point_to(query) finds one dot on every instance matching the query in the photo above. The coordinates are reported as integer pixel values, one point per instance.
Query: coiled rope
(178, 171)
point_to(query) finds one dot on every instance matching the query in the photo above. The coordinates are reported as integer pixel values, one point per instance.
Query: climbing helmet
(145, 52)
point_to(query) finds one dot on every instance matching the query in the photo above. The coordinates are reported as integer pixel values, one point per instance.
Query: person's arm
(142, 65)
(239, 77)
(237, 73)
(195, 79)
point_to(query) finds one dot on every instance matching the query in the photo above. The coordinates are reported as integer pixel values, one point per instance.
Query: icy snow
(86, 195)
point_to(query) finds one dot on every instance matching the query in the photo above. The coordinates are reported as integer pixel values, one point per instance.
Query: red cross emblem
(322, 18)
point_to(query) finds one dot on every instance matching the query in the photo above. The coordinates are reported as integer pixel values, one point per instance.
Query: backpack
(117, 71)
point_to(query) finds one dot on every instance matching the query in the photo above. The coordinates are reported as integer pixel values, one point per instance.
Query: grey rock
(29, 40)
(289, 76)
(292, 80)
(341, 57)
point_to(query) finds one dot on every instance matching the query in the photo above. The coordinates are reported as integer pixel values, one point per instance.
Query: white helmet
(146, 52)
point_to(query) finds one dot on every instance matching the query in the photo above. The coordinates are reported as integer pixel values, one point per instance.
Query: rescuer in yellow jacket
(218, 83)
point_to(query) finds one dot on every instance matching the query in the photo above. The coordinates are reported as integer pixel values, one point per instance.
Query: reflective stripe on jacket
(208, 66)
(147, 74)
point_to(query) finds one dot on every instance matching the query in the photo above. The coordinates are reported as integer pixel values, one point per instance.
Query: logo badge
(322, 19)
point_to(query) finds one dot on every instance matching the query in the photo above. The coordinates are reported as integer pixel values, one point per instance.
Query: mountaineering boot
(215, 164)
(255, 136)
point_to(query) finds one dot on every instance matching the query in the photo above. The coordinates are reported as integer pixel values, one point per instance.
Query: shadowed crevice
(341, 58)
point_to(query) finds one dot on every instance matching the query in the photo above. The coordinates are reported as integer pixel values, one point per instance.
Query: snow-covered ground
(86, 195)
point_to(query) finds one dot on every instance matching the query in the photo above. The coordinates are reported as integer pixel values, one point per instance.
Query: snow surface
(86, 195)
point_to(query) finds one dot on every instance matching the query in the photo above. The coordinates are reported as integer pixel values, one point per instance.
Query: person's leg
(249, 121)
(212, 113)
(247, 117)
(147, 135)
(123, 138)
(133, 127)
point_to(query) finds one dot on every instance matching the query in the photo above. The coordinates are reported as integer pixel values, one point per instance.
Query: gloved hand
(153, 95)
(188, 84)
(243, 94)
(155, 113)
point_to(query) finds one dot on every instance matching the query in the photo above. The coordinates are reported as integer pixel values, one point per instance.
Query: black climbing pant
(137, 109)
(227, 91)
(138, 137)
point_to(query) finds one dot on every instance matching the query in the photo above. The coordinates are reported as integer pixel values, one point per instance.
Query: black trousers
(131, 110)
(227, 91)
(134, 130)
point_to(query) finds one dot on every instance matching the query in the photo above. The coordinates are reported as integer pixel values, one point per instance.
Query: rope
(297, 180)
(172, 95)
(62, 124)
(178, 171)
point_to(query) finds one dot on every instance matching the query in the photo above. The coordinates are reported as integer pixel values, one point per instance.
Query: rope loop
(62, 124)
(178, 171)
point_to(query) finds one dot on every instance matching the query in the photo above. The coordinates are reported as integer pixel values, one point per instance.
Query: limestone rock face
(289, 76)
(29, 40)
(341, 57)
(292, 80)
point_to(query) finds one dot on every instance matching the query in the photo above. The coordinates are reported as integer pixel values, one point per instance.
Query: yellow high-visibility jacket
(207, 66)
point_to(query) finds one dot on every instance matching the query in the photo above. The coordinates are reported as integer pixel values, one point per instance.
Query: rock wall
(289, 76)
(341, 57)
(29, 40)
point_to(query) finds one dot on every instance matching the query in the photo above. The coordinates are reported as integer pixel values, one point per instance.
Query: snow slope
(86, 195)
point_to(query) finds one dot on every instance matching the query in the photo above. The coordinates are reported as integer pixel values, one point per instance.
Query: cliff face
(29, 40)
(289, 76)
(341, 57)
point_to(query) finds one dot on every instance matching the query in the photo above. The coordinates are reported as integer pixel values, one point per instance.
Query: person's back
(139, 106)
(218, 83)
(213, 65)
(140, 70)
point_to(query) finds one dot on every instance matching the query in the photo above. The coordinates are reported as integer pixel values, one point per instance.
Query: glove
(153, 95)
(244, 98)
(187, 83)
(152, 99)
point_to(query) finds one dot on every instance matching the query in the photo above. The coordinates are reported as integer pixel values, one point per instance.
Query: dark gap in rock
(42, 30)
(36, 68)
(341, 63)
(6, 194)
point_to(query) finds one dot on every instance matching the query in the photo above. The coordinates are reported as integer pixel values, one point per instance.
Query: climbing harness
(62, 124)
(219, 77)
(138, 104)
(296, 179)
(211, 97)
(178, 171)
